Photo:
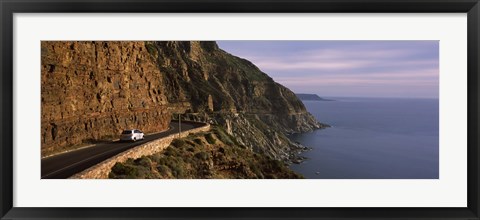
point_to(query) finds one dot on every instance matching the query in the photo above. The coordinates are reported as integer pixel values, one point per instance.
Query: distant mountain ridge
(311, 97)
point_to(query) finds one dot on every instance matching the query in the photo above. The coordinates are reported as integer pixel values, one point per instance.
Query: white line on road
(78, 163)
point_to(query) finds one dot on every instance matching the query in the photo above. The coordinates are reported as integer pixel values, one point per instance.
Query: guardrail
(102, 169)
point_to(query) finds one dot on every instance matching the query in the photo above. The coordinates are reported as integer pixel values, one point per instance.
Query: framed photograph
(256, 110)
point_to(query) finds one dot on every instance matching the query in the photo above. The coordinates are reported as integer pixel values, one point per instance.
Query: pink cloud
(323, 60)
(310, 64)
(391, 78)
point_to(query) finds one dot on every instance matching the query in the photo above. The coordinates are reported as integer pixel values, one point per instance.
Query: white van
(132, 135)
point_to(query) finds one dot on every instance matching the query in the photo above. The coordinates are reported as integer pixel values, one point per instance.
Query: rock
(237, 95)
(93, 90)
(297, 161)
(210, 103)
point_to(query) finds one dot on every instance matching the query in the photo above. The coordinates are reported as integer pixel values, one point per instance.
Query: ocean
(372, 138)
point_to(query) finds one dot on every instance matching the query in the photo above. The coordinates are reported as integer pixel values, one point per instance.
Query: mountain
(235, 93)
(93, 90)
(311, 97)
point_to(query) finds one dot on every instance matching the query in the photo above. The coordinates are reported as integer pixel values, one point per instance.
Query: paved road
(64, 165)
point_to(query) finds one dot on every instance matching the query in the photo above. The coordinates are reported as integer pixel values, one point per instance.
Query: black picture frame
(9, 7)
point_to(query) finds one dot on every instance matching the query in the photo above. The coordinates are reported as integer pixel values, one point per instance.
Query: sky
(406, 69)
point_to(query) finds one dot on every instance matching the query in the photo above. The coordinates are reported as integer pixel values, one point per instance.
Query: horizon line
(385, 97)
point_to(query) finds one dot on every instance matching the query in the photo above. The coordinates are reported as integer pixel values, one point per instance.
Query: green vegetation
(152, 50)
(128, 171)
(213, 154)
(224, 137)
(178, 143)
(200, 142)
(209, 138)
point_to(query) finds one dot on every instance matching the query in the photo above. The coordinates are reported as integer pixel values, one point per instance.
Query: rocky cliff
(92, 90)
(235, 94)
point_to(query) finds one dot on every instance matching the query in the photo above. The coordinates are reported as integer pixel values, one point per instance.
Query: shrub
(188, 160)
(202, 155)
(163, 169)
(270, 176)
(143, 161)
(156, 157)
(257, 172)
(198, 141)
(171, 162)
(111, 175)
(120, 169)
(209, 138)
(142, 173)
(223, 136)
(221, 150)
(151, 48)
(276, 164)
(162, 161)
(178, 143)
(177, 170)
(170, 151)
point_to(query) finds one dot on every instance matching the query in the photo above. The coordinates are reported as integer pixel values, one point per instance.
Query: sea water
(372, 138)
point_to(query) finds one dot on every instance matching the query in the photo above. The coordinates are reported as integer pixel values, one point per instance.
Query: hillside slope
(235, 93)
(213, 155)
(93, 90)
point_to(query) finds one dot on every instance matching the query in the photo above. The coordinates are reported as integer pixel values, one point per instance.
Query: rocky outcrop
(235, 94)
(93, 90)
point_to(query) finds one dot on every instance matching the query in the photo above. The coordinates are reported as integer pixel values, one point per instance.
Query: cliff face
(237, 95)
(93, 90)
